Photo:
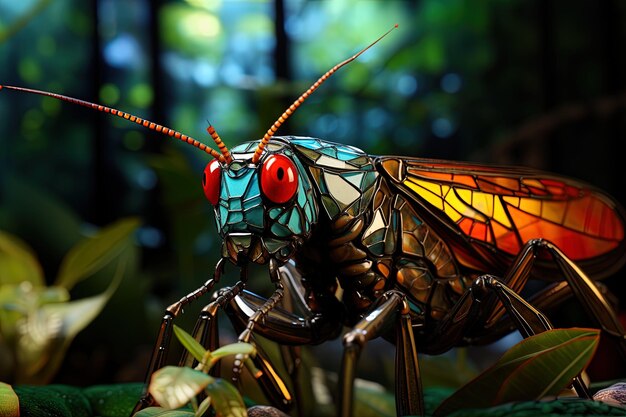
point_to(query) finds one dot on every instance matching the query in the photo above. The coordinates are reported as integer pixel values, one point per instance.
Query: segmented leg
(592, 298)
(206, 330)
(527, 319)
(159, 353)
(258, 315)
(287, 328)
(389, 310)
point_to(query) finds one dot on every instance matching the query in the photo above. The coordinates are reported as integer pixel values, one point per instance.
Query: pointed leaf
(162, 412)
(226, 399)
(532, 345)
(9, 403)
(554, 368)
(174, 386)
(51, 329)
(537, 366)
(233, 349)
(203, 407)
(189, 343)
(91, 254)
(18, 262)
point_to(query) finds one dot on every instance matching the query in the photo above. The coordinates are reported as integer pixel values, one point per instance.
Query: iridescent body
(374, 224)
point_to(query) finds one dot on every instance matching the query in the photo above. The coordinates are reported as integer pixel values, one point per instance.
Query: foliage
(9, 402)
(174, 387)
(38, 322)
(537, 367)
(456, 81)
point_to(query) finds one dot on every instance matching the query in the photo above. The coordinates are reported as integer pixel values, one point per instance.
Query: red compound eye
(211, 181)
(279, 179)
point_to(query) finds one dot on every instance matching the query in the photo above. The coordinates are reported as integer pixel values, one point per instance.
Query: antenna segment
(268, 135)
(223, 157)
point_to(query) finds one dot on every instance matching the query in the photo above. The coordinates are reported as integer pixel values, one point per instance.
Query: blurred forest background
(538, 83)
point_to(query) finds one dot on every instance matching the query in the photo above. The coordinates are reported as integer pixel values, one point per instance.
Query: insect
(428, 254)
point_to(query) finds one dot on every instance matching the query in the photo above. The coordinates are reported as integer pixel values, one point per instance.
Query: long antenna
(268, 135)
(223, 157)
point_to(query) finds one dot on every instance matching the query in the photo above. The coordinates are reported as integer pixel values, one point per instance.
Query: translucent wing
(503, 207)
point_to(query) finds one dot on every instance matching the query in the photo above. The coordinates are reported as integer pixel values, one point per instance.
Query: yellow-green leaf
(233, 349)
(9, 403)
(50, 329)
(174, 386)
(189, 343)
(93, 253)
(227, 401)
(18, 262)
(162, 412)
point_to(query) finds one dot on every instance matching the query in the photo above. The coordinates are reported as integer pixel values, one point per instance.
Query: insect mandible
(428, 254)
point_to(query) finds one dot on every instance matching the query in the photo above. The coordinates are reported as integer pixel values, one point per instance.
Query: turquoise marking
(415, 308)
(235, 204)
(346, 155)
(294, 222)
(235, 217)
(280, 230)
(307, 212)
(301, 198)
(313, 144)
(242, 207)
(274, 212)
(370, 178)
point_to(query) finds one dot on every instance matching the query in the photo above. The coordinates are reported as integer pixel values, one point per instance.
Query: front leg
(298, 325)
(159, 353)
(391, 309)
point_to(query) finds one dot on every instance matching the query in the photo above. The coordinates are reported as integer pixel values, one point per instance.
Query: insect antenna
(218, 141)
(268, 135)
(223, 157)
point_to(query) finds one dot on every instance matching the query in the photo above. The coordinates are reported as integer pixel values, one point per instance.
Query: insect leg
(528, 319)
(589, 295)
(593, 298)
(544, 300)
(206, 330)
(391, 308)
(295, 324)
(159, 353)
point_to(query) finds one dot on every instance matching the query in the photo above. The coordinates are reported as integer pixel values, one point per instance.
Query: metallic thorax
(344, 223)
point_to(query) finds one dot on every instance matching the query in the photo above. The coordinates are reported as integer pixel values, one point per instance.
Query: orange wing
(504, 207)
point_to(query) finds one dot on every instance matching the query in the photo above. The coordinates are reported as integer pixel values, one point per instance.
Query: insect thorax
(369, 236)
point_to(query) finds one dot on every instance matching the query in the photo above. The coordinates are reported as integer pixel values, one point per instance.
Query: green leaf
(536, 367)
(91, 254)
(9, 403)
(226, 399)
(17, 262)
(233, 349)
(51, 329)
(174, 386)
(189, 343)
(162, 412)
(203, 407)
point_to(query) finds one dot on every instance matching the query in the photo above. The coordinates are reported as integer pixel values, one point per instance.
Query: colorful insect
(429, 254)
